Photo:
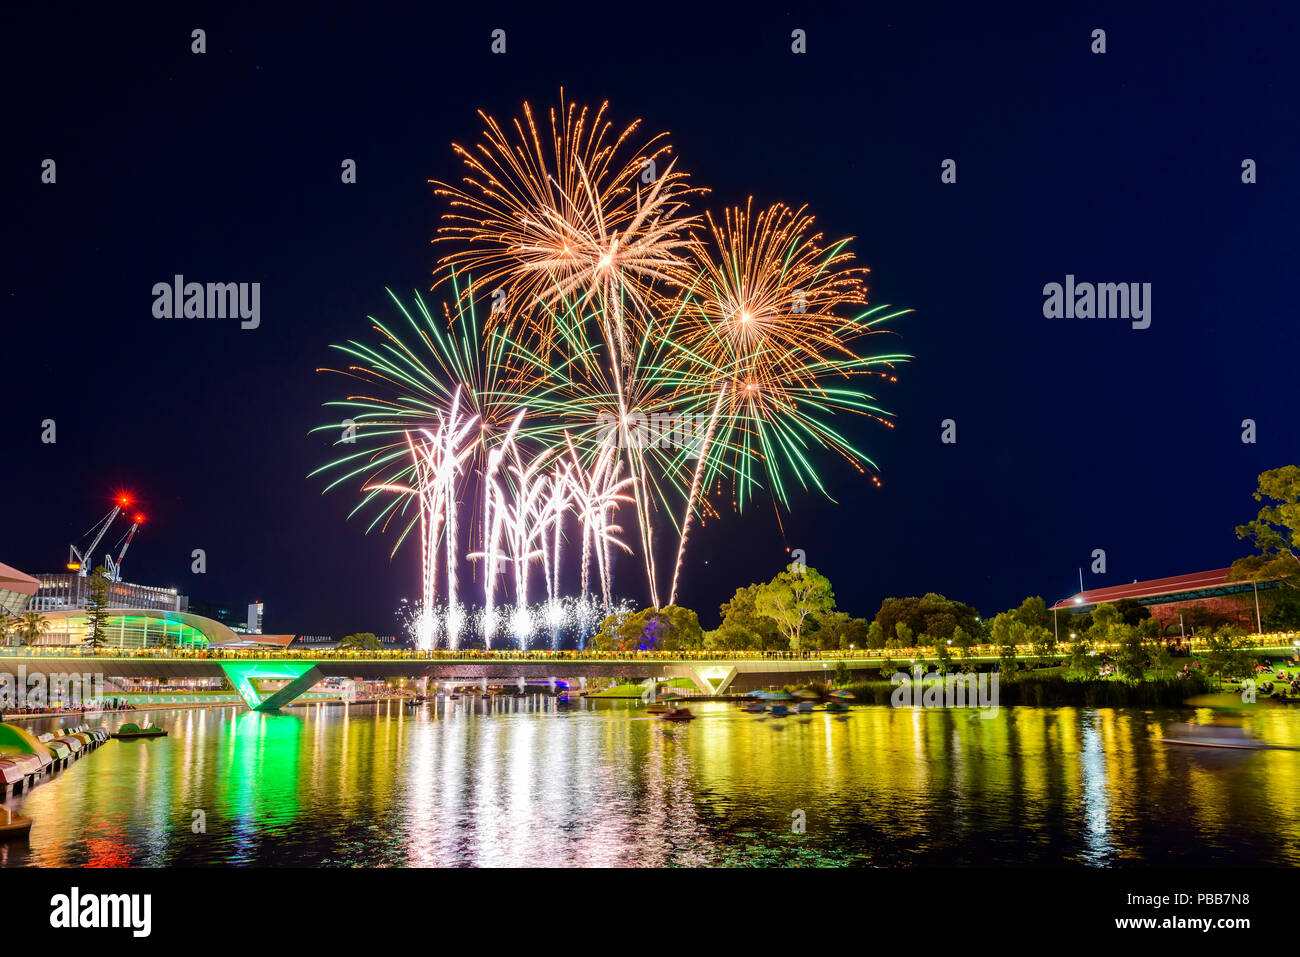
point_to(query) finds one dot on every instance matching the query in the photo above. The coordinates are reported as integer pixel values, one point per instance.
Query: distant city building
(62, 591)
(241, 619)
(315, 641)
(326, 642)
(255, 618)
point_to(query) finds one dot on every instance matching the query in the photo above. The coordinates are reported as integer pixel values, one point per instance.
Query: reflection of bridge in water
(710, 674)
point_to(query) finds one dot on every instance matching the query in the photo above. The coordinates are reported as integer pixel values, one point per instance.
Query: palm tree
(30, 627)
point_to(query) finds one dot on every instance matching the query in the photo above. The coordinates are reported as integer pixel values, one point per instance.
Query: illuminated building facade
(63, 591)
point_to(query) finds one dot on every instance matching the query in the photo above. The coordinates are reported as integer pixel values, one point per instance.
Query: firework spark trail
(556, 507)
(425, 490)
(495, 512)
(437, 460)
(459, 440)
(595, 493)
(704, 449)
(526, 525)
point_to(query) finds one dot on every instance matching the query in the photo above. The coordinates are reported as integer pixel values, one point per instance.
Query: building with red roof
(1229, 602)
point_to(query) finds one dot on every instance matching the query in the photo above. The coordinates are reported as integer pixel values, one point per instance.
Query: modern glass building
(133, 628)
(68, 592)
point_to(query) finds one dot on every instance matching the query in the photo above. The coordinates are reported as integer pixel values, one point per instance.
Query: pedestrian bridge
(710, 672)
(303, 673)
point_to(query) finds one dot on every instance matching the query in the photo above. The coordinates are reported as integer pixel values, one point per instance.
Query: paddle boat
(132, 731)
(13, 824)
(678, 714)
(836, 707)
(779, 711)
(1219, 736)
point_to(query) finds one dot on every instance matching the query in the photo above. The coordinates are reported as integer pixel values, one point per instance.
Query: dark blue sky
(1072, 434)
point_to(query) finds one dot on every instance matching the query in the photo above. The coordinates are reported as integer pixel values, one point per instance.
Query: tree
(839, 630)
(743, 628)
(931, 614)
(1006, 632)
(1104, 617)
(1132, 612)
(1227, 654)
(1043, 640)
(1275, 531)
(361, 641)
(607, 638)
(945, 657)
(875, 636)
(30, 627)
(1033, 613)
(680, 629)
(1282, 611)
(962, 640)
(1162, 662)
(97, 608)
(792, 597)
(903, 636)
(887, 667)
(1131, 659)
(665, 629)
(1082, 661)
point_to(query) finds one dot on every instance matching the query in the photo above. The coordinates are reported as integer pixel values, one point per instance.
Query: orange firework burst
(770, 295)
(570, 214)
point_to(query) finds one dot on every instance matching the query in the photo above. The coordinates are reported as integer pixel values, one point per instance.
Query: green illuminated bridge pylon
(301, 675)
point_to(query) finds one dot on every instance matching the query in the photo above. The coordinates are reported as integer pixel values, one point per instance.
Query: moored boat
(131, 731)
(679, 714)
(13, 824)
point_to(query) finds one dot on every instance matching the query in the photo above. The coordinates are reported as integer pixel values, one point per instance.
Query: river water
(514, 781)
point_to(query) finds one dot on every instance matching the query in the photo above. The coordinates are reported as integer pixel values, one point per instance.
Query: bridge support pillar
(715, 680)
(301, 676)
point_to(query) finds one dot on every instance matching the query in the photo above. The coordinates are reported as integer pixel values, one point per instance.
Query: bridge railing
(1279, 641)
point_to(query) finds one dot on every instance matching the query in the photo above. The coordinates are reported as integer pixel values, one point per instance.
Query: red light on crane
(139, 519)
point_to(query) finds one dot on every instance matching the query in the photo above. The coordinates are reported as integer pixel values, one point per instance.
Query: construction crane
(80, 561)
(114, 568)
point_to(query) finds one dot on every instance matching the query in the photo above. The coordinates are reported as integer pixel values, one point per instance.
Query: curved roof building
(137, 628)
(16, 589)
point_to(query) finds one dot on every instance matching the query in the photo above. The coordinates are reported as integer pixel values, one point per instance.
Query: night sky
(1072, 434)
